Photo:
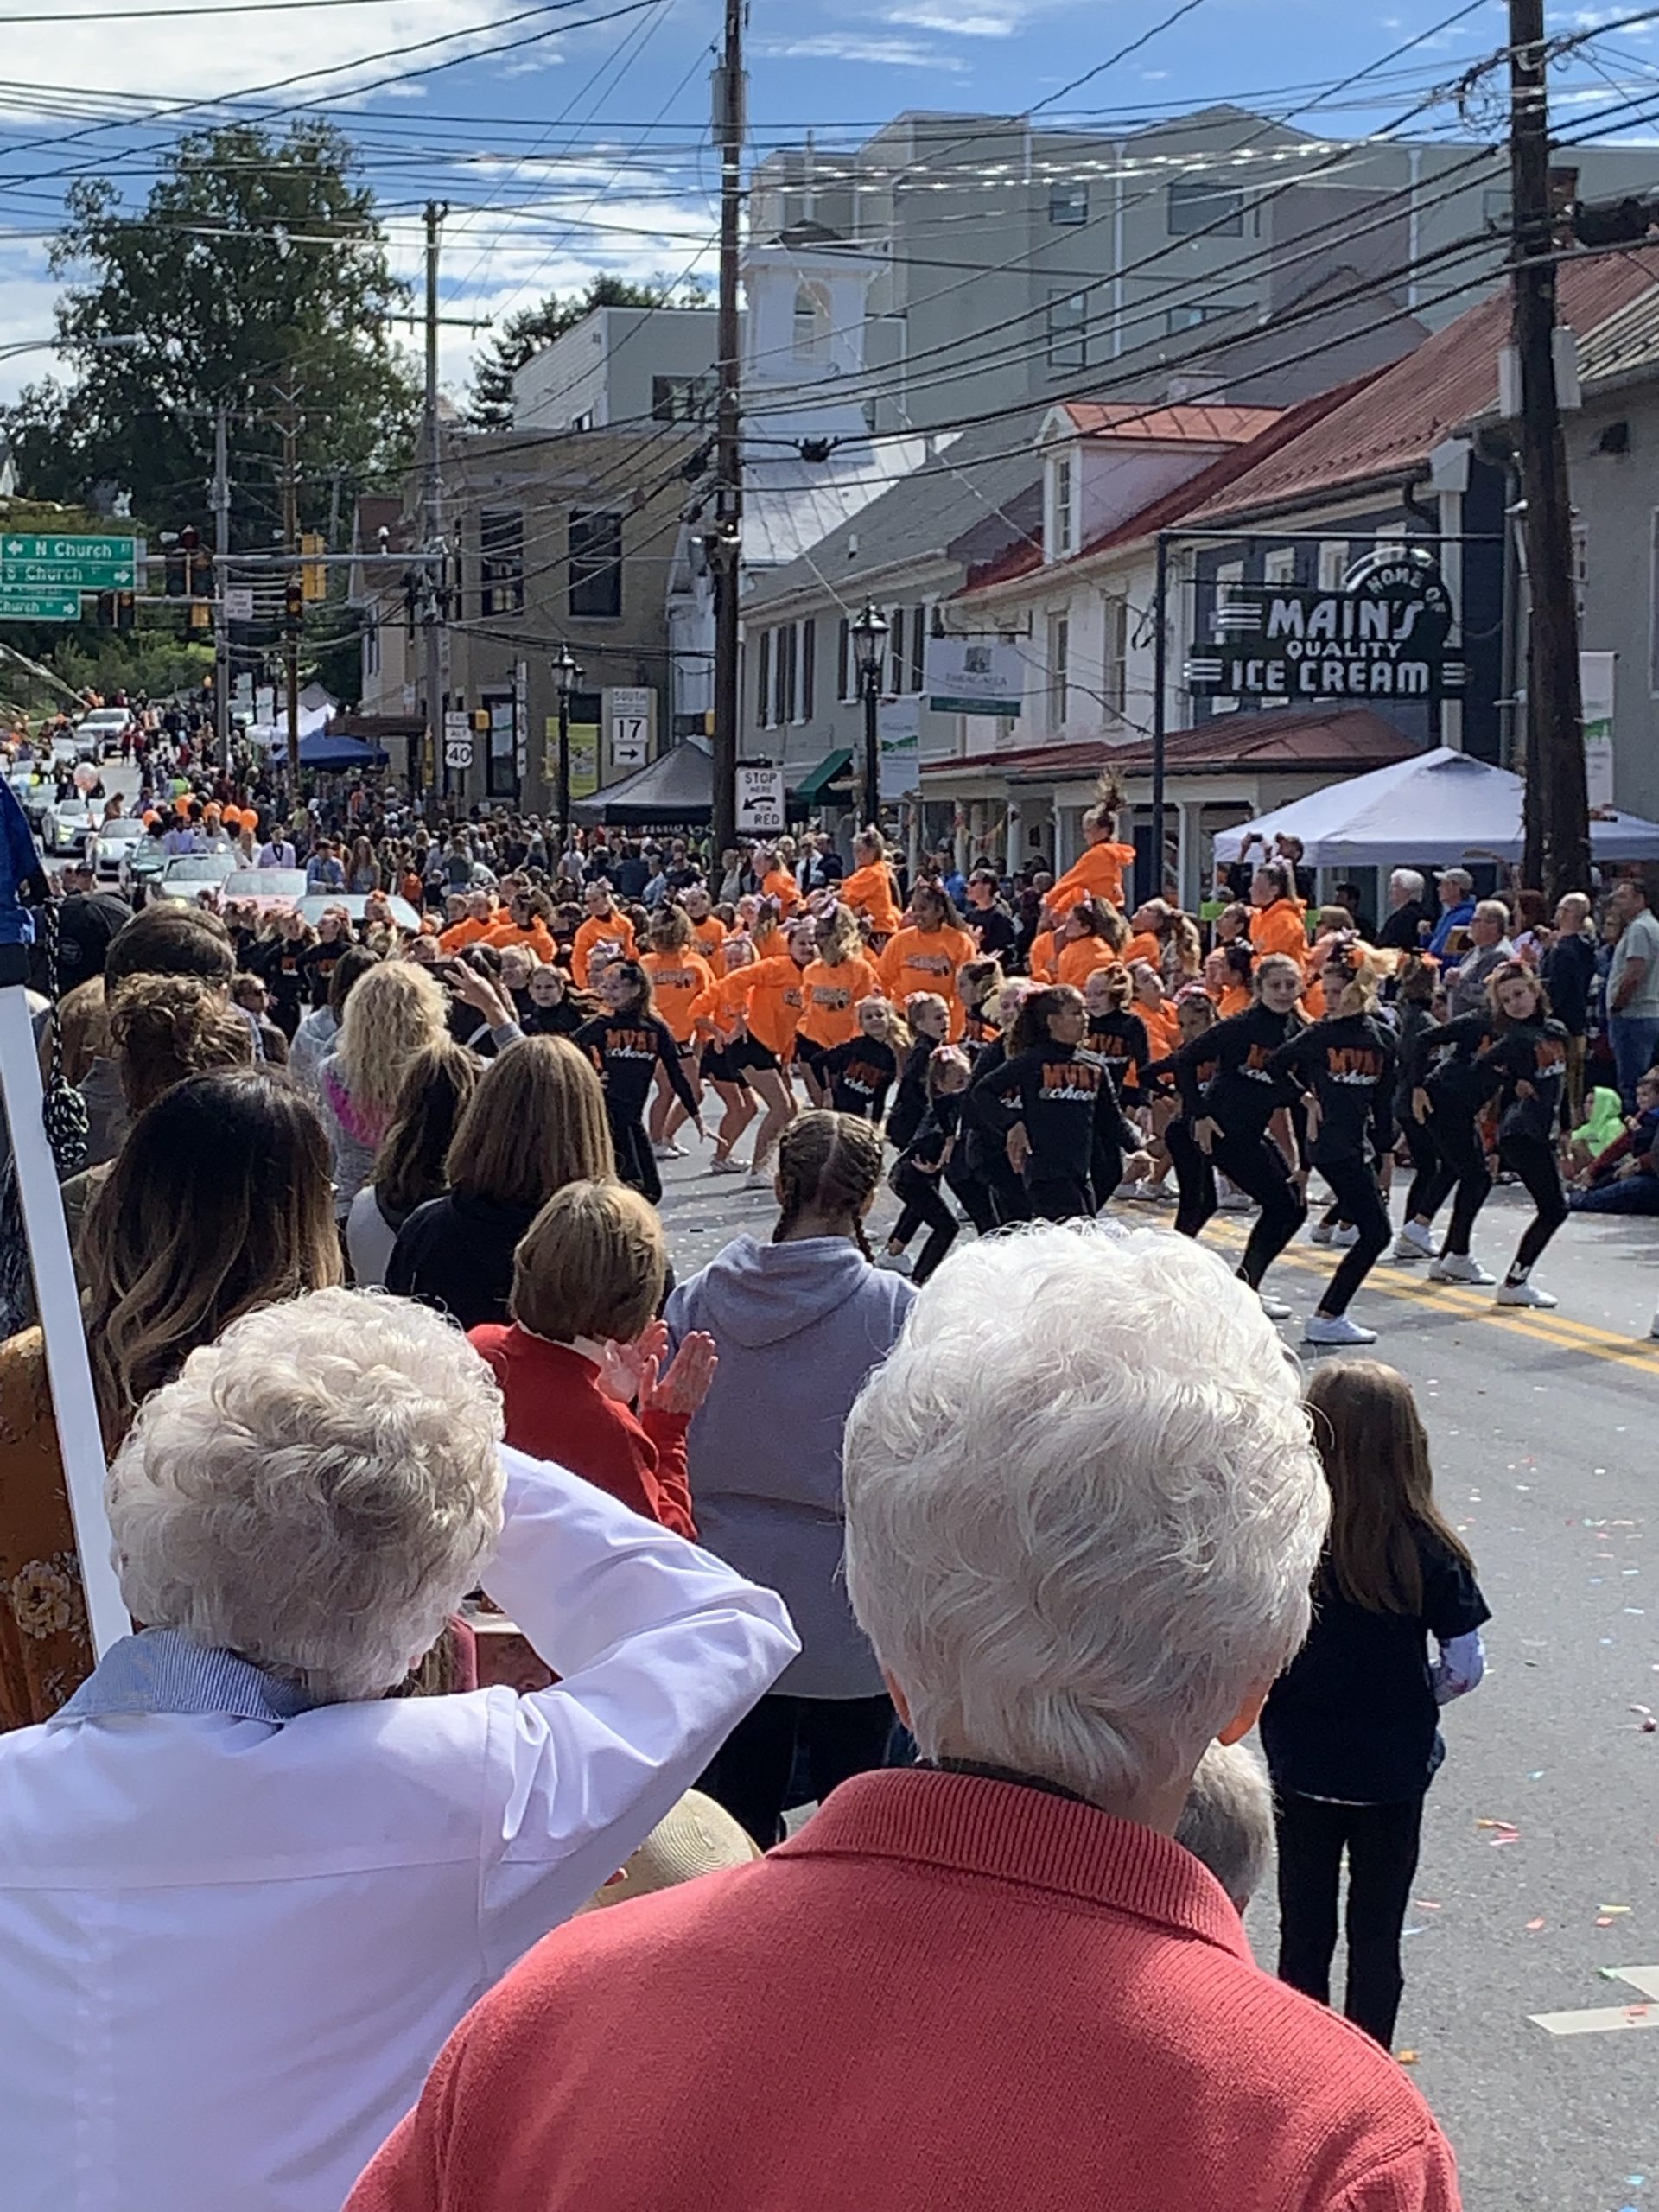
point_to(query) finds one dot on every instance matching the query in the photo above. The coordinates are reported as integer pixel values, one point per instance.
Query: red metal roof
(1023, 556)
(1336, 741)
(1389, 427)
(1182, 422)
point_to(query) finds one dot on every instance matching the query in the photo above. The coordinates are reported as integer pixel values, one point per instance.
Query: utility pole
(1557, 808)
(725, 544)
(221, 572)
(293, 582)
(438, 635)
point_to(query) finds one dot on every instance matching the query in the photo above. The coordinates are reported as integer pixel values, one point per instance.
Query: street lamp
(116, 342)
(566, 676)
(870, 635)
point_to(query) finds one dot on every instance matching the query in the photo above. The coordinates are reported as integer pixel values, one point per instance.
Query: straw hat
(697, 1837)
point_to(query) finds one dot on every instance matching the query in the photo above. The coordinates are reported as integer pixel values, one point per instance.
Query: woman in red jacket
(586, 1281)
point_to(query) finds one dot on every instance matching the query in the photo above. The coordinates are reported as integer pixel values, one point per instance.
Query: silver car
(66, 827)
(112, 844)
(186, 875)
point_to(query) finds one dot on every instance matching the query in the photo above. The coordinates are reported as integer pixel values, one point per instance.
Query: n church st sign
(1384, 634)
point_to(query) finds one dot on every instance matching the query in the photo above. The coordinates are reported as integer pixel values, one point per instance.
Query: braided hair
(830, 1163)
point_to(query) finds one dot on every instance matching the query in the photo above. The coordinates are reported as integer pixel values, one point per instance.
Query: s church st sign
(1385, 633)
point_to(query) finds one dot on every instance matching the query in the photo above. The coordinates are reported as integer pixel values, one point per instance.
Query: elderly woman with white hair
(246, 1888)
(1082, 1511)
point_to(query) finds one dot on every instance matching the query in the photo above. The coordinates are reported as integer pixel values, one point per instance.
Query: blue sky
(567, 145)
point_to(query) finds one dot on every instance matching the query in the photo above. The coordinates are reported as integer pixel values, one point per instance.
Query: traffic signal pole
(724, 545)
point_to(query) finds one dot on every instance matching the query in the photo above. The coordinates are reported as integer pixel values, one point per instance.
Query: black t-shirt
(859, 1074)
(1347, 1062)
(992, 927)
(627, 1049)
(1353, 1717)
(911, 1103)
(1243, 1094)
(1449, 1062)
(1120, 1037)
(1568, 969)
(1068, 1103)
(1533, 1053)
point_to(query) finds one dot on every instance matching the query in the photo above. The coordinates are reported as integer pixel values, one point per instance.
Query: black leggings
(1195, 1179)
(1532, 1161)
(1422, 1203)
(1060, 1198)
(750, 1774)
(636, 1164)
(1463, 1163)
(1257, 1167)
(1353, 1184)
(1382, 1844)
(974, 1196)
(923, 1202)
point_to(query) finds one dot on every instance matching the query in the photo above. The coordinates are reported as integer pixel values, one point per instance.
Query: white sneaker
(1459, 1267)
(1407, 1250)
(1523, 1293)
(1235, 1202)
(762, 1178)
(665, 1151)
(896, 1263)
(1344, 1234)
(1421, 1240)
(1335, 1329)
(1274, 1308)
(1321, 1232)
(726, 1167)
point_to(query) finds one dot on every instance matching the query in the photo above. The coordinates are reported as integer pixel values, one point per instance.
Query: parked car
(186, 875)
(141, 869)
(112, 844)
(100, 732)
(33, 793)
(67, 826)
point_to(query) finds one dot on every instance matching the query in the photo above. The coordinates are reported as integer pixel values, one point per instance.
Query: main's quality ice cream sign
(1385, 634)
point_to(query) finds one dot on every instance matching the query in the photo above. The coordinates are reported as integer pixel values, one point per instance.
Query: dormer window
(1060, 537)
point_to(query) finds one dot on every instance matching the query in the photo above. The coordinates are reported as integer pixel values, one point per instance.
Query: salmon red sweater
(555, 1410)
(946, 1993)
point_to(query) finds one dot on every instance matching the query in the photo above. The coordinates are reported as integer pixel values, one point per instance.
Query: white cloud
(180, 59)
(998, 25)
(855, 46)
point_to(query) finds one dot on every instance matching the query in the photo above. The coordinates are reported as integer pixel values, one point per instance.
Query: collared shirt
(231, 1945)
(1024, 2002)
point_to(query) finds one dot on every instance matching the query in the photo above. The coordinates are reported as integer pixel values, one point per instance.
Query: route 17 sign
(1384, 635)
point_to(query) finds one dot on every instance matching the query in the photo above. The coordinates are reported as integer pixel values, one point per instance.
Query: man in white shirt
(1633, 988)
(246, 1889)
(277, 852)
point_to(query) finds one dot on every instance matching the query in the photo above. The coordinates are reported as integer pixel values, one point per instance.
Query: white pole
(80, 1442)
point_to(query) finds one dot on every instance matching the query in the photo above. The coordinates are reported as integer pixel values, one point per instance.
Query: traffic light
(293, 605)
(315, 573)
(126, 612)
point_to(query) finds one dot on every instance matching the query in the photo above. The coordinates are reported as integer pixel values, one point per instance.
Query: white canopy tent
(1441, 808)
(312, 719)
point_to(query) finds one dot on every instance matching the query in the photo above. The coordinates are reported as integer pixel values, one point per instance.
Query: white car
(112, 844)
(186, 875)
(100, 732)
(68, 826)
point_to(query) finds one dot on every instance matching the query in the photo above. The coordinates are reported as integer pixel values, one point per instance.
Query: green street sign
(39, 607)
(79, 563)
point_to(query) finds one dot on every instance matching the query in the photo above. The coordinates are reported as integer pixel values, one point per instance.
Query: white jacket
(229, 1949)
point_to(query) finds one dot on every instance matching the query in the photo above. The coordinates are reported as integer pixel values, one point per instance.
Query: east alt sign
(1385, 633)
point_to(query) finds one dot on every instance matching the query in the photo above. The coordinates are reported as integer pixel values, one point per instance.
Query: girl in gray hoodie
(798, 1325)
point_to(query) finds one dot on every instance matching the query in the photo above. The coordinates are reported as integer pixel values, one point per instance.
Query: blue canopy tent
(322, 750)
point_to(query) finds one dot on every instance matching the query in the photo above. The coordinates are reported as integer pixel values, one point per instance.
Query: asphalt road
(1543, 1429)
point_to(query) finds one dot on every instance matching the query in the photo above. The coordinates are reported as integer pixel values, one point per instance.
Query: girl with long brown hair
(1351, 1730)
(218, 1203)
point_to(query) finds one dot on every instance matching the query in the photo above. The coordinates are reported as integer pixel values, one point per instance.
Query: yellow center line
(1542, 1324)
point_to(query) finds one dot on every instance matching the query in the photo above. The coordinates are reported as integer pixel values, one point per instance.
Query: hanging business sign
(974, 675)
(1385, 633)
(899, 725)
(1596, 697)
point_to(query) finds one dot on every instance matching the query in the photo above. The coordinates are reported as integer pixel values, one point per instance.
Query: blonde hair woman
(395, 1012)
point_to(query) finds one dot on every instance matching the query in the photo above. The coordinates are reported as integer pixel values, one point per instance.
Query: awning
(831, 770)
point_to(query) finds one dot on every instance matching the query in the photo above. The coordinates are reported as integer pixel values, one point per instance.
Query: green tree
(255, 268)
(531, 328)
